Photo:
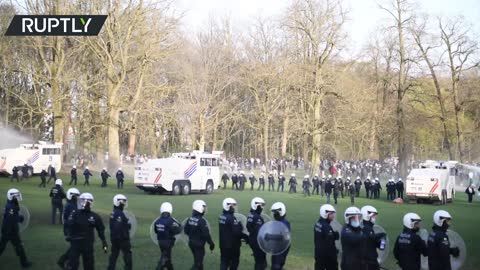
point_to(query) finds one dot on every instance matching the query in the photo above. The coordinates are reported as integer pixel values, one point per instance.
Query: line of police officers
(358, 239)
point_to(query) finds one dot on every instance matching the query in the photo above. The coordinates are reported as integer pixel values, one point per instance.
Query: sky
(364, 14)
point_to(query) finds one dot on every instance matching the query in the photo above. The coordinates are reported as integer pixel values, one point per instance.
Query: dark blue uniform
(316, 185)
(69, 208)
(166, 228)
(358, 185)
(439, 249)
(242, 179)
(120, 178)
(399, 186)
(104, 175)
(325, 250)
(292, 182)
(278, 261)
(11, 232)
(224, 180)
(43, 178)
(14, 174)
(261, 183)
(271, 182)
(408, 248)
(81, 224)
(281, 181)
(53, 175)
(120, 238)
(254, 223)
(235, 181)
(87, 174)
(372, 242)
(58, 195)
(328, 189)
(252, 180)
(230, 235)
(353, 246)
(73, 176)
(198, 234)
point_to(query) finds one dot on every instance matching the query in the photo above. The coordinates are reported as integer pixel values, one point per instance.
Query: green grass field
(44, 242)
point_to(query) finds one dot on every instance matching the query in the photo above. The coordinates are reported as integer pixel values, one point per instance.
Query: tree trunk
(214, 138)
(132, 139)
(285, 131)
(457, 123)
(265, 140)
(113, 138)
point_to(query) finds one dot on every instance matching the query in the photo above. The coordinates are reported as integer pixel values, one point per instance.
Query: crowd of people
(330, 187)
(359, 242)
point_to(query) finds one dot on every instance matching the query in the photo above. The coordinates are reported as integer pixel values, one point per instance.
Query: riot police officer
(438, 248)
(230, 235)
(292, 183)
(70, 207)
(104, 175)
(53, 173)
(86, 175)
(120, 233)
(367, 185)
(373, 240)
(353, 240)
(352, 193)
(328, 188)
(306, 185)
(340, 186)
(271, 182)
(242, 179)
(10, 229)
(15, 174)
(324, 239)
(336, 190)
(261, 182)
(281, 181)
(358, 185)
(120, 178)
(316, 184)
(254, 223)
(280, 214)
(73, 176)
(390, 187)
(322, 186)
(58, 195)
(409, 246)
(43, 178)
(81, 225)
(225, 179)
(235, 180)
(252, 180)
(399, 186)
(198, 234)
(166, 227)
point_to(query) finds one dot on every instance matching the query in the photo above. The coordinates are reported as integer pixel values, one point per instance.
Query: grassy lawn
(44, 243)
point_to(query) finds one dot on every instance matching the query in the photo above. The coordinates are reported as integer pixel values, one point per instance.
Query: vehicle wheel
(176, 189)
(186, 189)
(209, 188)
(444, 198)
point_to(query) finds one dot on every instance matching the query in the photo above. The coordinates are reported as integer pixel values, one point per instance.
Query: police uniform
(242, 179)
(230, 235)
(261, 183)
(400, 188)
(120, 238)
(58, 195)
(336, 190)
(53, 174)
(340, 186)
(252, 181)
(271, 182)
(11, 232)
(328, 189)
(73, 176)
(278, 261)
(325, 250)
(43, 178)
(353, 245)
(352, 193)
(408, 248)
(14, 174)
(293, 185)
(367, 185)
(104, 175)
(316, 184)
(235, 181)
(70, 207)
(254, 223)
(81, 224)
(372, 242)
(120, 178)
(281, 181)
(306, 186)
(166, 228)
(198, 234)
(322, 186)
(358, 185)
(224, 180)
(87, 174)
(439, 249)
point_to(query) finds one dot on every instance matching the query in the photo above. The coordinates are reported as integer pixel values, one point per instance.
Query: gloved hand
(212, 246)
(105, 247)
(455, 252)
(381, 235)
(21, 218)
(336, 235)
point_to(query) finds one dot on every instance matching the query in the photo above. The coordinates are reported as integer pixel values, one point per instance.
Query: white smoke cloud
(10, 138)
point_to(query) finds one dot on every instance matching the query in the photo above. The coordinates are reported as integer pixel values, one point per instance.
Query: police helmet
(84, 199)
(352, 212)
(440, 217)
(14, 193)
(257, 202)
(120, 199)
(199, 206)
(410, 219)
(325, 210)
(228, 203)
(72, 192)
(166, 207)
(59, 182)
(279, 208)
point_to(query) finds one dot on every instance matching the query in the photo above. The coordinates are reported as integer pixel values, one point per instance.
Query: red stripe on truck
(434, 187)
(158, 177)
